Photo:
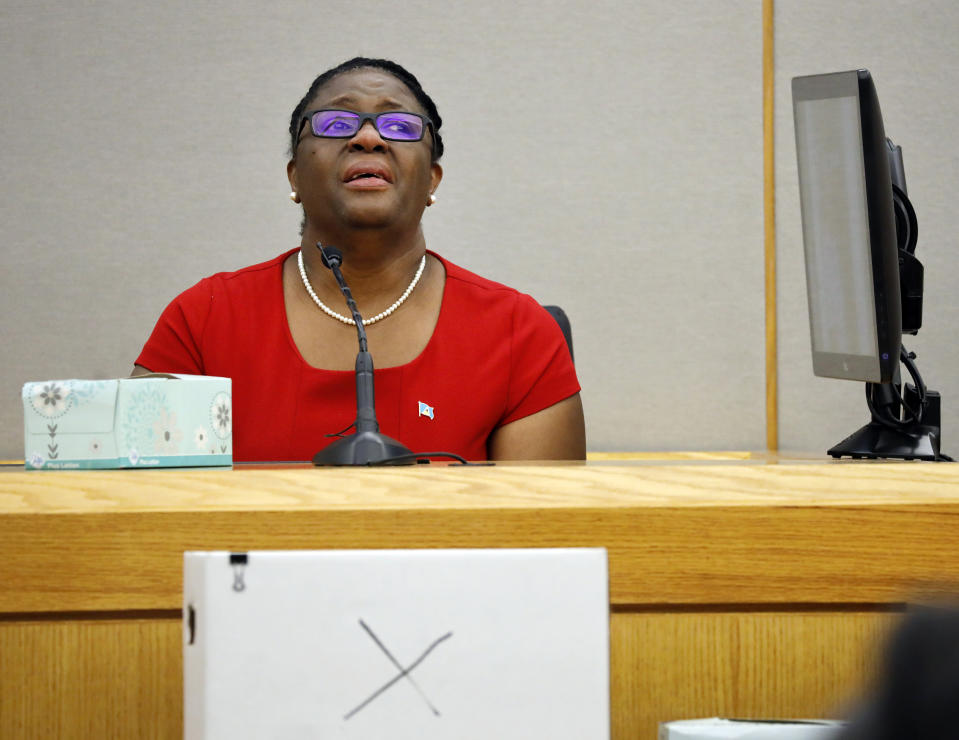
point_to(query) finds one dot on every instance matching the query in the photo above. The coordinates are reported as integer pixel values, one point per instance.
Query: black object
(911, 441)
(563, 320)
(907, 235)
(238, 561)
(918, 692)
(366, 446)
(908, 426)
(903, 426)
(859, 235)
(191, 624)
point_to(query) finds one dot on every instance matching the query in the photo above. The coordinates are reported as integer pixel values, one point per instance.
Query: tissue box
(757, 729)
(148, 421)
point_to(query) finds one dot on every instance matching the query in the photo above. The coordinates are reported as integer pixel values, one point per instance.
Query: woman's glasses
(344, 124)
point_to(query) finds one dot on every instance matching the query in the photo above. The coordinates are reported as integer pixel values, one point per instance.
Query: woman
(463, 364)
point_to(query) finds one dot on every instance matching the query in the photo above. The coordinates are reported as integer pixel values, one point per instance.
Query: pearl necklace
(345, 319)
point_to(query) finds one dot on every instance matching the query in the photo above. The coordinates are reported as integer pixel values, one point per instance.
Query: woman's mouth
(363, 182)
(366, 176)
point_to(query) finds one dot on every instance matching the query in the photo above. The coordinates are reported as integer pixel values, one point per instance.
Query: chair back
(563, 320)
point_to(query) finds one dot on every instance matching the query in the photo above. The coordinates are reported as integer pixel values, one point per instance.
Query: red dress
(495, 356)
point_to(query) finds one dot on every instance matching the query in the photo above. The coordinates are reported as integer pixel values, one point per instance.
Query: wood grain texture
(766, 540)
(74, 680)
(676, 534)
(771, 481)
(668, 666)
(122, 679)
(701, 455)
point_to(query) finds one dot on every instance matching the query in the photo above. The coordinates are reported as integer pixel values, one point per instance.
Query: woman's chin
(371, 215)
(367, 220)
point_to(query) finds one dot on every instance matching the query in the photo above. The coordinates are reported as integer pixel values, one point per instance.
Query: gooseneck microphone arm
(365, 398)
(366, 446)
(333, 258)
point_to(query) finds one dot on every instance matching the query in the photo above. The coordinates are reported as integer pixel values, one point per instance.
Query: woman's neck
(376, 266)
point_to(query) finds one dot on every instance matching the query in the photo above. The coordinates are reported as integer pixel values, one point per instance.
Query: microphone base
(363, 448)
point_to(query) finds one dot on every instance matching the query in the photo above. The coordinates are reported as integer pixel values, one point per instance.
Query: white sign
(418, 644)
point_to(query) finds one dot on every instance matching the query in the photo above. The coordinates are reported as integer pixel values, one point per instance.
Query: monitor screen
(848, 227)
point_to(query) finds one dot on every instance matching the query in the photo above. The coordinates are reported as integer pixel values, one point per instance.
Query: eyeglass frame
(372, 117)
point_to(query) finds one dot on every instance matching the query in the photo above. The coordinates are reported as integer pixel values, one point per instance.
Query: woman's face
(365, 181)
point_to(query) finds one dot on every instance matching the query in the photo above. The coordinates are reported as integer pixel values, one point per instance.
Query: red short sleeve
(541, 369)
(175, 346)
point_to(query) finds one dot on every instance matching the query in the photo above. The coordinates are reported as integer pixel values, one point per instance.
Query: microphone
(331, 257)
(366, 446)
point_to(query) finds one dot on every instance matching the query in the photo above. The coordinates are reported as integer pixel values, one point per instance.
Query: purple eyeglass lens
(400, 126)
(335, 123)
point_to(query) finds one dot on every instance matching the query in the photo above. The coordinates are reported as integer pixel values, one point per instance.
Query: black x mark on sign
(404, 672)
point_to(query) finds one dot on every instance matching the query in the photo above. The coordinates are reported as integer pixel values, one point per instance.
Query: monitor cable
(883, 397)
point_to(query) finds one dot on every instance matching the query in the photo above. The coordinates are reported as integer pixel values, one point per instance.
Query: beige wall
(143, 147)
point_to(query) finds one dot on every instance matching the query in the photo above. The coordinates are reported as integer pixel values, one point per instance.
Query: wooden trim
(142, 615)
(124, 678)
(837, 607)
(769, 210)
(699, 533)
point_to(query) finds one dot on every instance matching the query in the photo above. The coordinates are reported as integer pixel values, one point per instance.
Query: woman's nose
(367, 138)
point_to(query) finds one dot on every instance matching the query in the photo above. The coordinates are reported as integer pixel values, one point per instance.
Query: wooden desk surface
(740, 585)
(709, 532)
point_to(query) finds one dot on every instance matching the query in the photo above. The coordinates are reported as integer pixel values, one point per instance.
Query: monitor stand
(879, 440)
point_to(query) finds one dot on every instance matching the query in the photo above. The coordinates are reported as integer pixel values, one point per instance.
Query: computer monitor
(849, 227)
(859, 235)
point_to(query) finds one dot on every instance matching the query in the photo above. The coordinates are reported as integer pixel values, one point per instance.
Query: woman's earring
(431, 200)
(294, 196)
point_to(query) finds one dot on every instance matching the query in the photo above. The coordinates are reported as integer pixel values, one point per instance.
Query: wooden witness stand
(739, 587)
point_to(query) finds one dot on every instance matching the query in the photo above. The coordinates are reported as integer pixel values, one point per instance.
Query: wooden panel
(761, 481)
(695, 534)
(91, 679)
(760, 665)
(99, 679)
(756, 535)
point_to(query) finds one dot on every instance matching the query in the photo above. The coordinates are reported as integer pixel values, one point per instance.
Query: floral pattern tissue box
(143, 422)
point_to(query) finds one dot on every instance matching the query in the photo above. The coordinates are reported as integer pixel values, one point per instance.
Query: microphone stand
(366, 446)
